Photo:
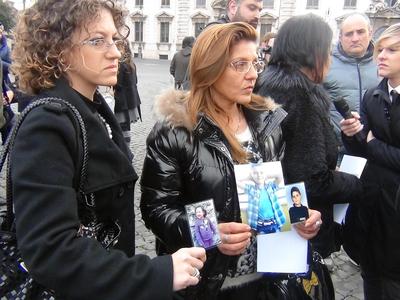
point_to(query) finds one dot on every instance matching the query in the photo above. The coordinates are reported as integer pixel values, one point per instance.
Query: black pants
(380, 288)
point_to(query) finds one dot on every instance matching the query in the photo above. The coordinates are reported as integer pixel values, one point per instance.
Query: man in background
(180, 61)
(352, 70)
(247, 11)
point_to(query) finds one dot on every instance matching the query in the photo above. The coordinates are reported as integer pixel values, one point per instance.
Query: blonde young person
(378, 236)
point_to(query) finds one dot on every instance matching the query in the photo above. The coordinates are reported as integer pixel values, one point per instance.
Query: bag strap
(7, 151)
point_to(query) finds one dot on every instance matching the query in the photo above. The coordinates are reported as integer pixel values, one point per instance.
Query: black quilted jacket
(186, 165)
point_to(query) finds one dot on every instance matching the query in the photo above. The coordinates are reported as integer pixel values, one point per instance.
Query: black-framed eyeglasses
(243, 66)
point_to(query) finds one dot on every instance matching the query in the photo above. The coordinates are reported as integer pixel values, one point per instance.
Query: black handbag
(15, 280)
(316, 284)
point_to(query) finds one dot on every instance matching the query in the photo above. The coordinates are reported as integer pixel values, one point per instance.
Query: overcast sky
(18, 3)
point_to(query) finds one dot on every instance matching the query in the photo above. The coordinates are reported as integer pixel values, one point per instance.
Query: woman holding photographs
(191, 154)
(65, 49)
(300, 60)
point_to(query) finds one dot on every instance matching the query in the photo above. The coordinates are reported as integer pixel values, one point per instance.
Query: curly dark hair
(44, 35)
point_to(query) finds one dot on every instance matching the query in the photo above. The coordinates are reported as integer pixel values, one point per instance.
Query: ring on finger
(225, 238)
(195, 273)
(318, 223)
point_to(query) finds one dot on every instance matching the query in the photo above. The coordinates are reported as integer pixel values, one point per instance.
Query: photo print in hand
(297, 201)
(203, 224)
(262, 197)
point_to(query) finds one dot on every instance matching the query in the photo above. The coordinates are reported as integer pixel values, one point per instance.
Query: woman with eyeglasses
(300, 60)
(191, 152)
(65, 49)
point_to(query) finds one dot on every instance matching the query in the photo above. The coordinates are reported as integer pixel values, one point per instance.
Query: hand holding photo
(203, 224)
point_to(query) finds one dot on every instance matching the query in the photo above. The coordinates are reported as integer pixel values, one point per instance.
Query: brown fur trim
(171, 107)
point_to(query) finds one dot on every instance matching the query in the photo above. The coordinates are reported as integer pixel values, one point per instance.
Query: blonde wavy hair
(43, 36)
(391, 31)
(210, 56)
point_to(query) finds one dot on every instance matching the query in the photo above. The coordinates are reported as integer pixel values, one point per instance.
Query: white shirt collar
(390, 89)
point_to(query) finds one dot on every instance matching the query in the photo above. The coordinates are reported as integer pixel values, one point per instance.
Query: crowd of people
(238, 107)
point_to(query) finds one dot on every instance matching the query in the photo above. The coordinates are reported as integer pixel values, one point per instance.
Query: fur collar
(171, 107)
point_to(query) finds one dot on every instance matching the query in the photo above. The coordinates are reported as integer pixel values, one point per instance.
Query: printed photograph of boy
(265, 206)
(297, 199)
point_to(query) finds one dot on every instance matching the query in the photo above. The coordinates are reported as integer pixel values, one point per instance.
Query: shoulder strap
(7, 151)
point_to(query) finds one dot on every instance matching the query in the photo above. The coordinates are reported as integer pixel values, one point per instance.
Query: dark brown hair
(303, 42)
(44, 35)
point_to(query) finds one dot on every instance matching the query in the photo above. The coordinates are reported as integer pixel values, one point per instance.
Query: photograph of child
(203, 224)
(297, 199)
(266, 207)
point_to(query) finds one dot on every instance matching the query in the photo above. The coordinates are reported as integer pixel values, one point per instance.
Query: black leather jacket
(186, 165)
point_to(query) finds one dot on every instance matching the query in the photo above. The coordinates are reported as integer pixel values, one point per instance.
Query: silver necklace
(239, 122)
(108, 127)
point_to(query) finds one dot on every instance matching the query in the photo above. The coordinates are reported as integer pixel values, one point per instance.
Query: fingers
(234, 249)
(197, 252)
(311, 226)
(186, 265)
(235, 237)
(350, 126)
(233, 227)
(355, 115)
(313, 217)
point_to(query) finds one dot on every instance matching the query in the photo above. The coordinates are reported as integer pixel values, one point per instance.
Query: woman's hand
(311, 226)
(351, 126)
(186, 263)
(235, 238)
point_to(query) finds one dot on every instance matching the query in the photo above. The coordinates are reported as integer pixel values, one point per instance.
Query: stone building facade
(159, 26)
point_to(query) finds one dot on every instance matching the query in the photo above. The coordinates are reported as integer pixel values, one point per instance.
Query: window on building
(165, 3)
(390, 2)
(200, 3)
(138, 31)
(139, 3)
(350, 3)
(264, 29)
(268, 3)
(164, 32)
(198, 28)
(312, 3)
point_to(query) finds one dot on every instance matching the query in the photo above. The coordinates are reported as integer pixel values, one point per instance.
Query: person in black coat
(180, 61)
(299, 62)
(127, 99)
(50, 225)
(376, 137)
(191, 152)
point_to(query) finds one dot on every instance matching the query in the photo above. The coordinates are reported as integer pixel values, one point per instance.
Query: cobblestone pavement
(153, 77)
